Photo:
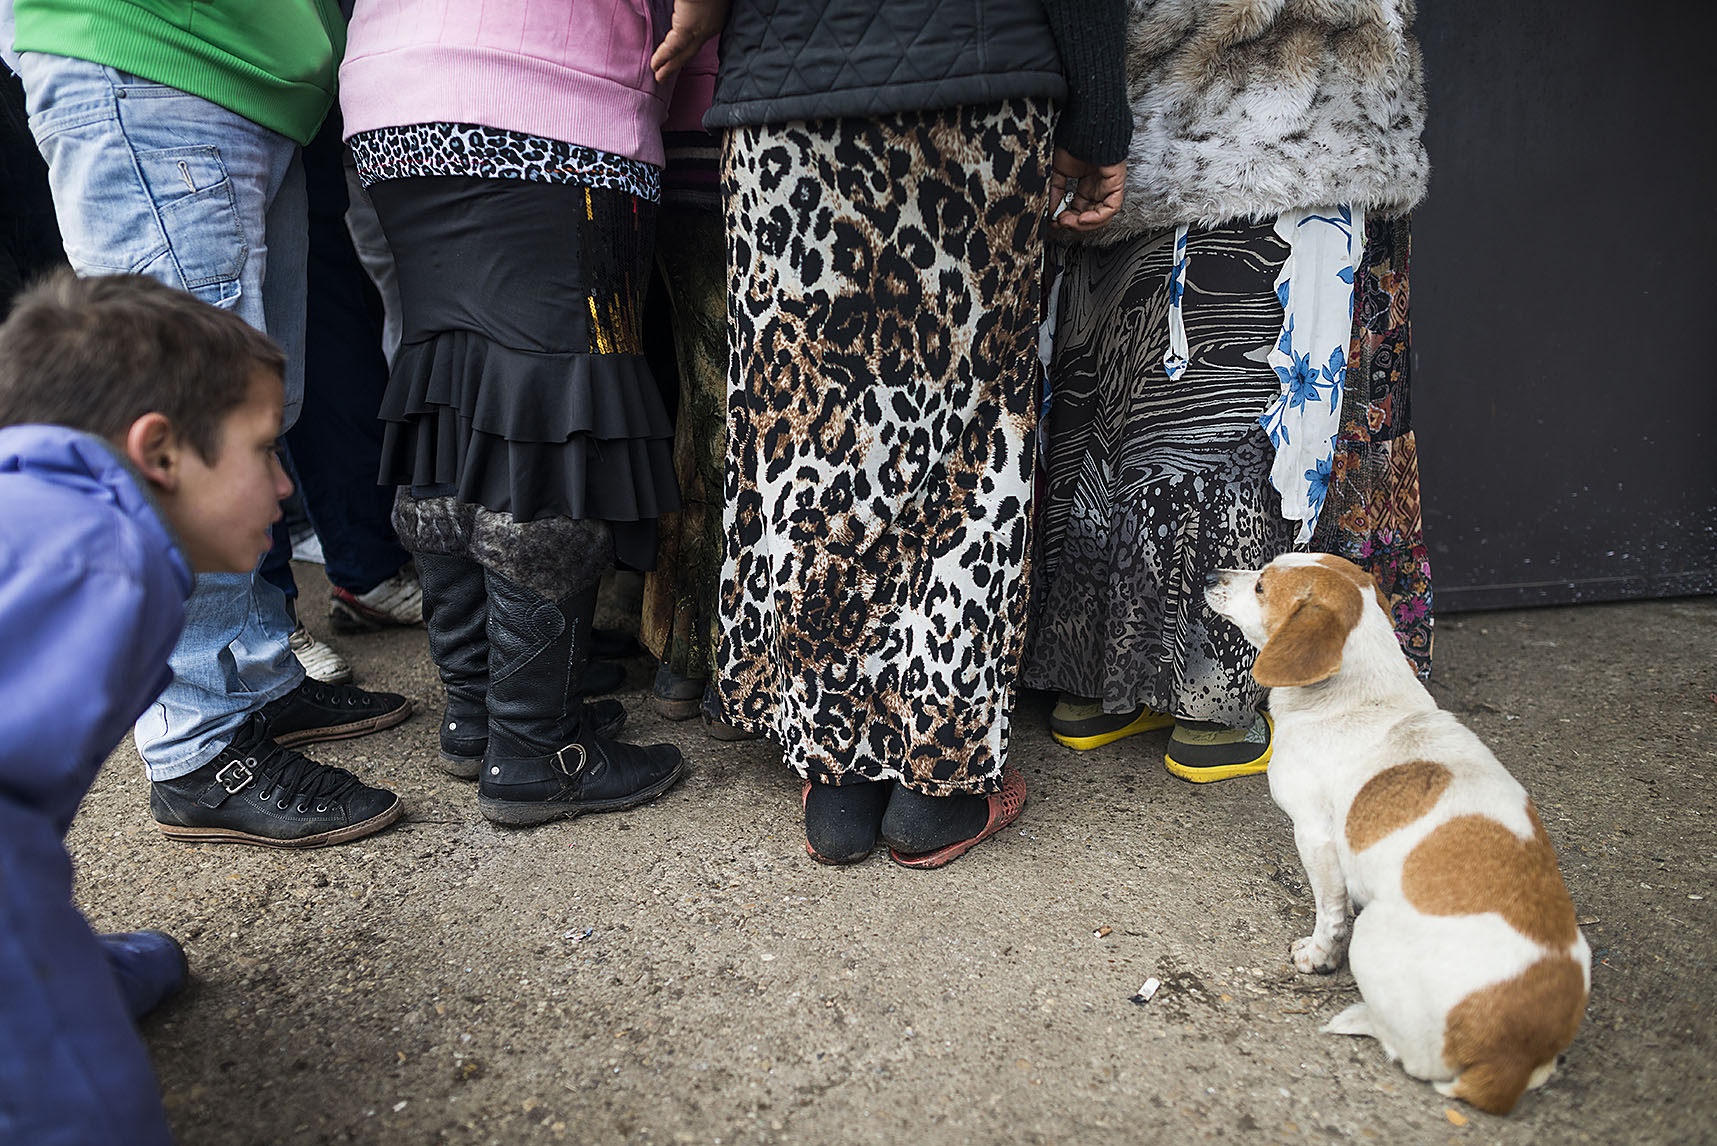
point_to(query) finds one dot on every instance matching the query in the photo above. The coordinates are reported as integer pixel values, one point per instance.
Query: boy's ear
(155, 450)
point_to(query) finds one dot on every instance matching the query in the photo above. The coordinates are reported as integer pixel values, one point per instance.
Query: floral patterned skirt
(1371, 514)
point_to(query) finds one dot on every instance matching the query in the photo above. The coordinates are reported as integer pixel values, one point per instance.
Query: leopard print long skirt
(883, 309)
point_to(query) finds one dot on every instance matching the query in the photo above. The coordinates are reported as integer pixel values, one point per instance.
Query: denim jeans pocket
(193, 198)
(168, 212)
(48, 122)
(105, 224)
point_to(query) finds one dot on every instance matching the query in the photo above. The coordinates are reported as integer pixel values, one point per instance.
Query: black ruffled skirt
(520, 380)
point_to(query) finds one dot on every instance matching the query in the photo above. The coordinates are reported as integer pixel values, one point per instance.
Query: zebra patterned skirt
(1153, 483)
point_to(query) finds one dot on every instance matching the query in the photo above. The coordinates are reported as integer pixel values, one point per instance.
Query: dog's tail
(1356, 1020)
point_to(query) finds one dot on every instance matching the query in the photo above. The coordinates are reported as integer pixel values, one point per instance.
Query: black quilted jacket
(783, 60)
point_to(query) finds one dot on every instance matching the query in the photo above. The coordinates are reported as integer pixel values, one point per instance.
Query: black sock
(841, 822)
(915, 824)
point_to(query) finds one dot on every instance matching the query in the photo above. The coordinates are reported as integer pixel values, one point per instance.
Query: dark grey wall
(1564, 287)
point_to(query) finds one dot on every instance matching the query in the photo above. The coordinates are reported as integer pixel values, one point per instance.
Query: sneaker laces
(301, 780)
(319, 659)
(335, 695)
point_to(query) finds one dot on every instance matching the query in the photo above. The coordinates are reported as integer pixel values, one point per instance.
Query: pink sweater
(573, 70)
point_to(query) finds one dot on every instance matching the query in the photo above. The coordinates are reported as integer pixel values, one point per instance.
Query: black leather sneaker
(256, 792)
(315, 711)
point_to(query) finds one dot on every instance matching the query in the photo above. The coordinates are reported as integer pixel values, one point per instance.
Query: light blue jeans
(149, 179)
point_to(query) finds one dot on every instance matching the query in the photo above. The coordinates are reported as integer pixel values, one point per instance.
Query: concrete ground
(684, 973)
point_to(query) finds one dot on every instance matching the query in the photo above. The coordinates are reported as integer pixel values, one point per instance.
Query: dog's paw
(1313, 955)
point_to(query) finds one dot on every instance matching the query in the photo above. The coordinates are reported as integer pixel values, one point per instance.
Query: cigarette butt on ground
(1147, 990)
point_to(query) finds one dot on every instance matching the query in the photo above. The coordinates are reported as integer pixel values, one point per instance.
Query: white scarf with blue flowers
(1316, 291)
(1315, 288)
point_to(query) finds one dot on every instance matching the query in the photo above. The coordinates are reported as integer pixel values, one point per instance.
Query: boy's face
(222, 512)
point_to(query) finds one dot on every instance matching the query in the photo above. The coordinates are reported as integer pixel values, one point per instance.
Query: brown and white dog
(1468, 955)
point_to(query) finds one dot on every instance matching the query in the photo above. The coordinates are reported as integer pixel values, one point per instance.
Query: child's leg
(72, 1068)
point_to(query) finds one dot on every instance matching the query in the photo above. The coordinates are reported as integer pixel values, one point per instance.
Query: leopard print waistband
(494, 153)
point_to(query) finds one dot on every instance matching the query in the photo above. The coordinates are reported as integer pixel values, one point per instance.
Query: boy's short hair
(97, 353)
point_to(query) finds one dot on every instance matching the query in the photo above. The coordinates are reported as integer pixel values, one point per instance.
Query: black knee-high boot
(545, 760)
(455, 613)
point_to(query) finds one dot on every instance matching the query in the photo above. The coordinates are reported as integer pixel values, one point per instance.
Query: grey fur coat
(1249, 108)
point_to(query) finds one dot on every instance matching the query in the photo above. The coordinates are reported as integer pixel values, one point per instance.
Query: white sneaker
(320, 662)
(396, 601)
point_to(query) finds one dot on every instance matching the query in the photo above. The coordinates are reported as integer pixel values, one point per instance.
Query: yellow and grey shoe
(1204, 753)
(1081, 723)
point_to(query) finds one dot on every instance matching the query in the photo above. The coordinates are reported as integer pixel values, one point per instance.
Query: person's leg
(678, 616)
(547, 755)
(455, 612)
(1231, 306)
(72, 1068)
(962, 594)
(320, 661)
(133, 194)
(437, 531)
(877, 507)
(1372, 515)
(338, 451)
(1152, 483)
(373, 252)
(29, 235)
(149, 180)
(261, 791)
(276, 567)
(842, 821)
(237, 656)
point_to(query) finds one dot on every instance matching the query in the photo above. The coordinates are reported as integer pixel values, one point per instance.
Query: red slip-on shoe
(1005, 807)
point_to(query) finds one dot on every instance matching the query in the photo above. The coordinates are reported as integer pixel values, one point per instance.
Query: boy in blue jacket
(137, 448)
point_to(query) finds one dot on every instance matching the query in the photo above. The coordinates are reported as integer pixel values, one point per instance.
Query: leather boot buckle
(560, 760)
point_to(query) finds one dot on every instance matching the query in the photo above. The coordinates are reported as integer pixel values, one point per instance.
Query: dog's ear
(1306, 646)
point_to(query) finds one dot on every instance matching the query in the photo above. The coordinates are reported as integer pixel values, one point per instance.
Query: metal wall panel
(1565, 288)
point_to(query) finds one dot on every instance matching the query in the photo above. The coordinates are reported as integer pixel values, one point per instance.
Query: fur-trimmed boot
(455, 611)
(545, 760)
